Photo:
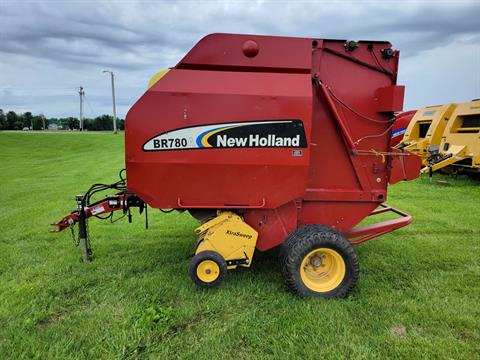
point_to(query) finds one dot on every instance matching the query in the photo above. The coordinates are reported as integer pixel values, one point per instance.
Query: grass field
(418, 294)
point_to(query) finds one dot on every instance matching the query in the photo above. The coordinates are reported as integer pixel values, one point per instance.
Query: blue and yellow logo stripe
(202, 139)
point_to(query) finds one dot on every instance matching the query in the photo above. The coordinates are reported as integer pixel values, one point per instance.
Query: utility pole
(43, 121)
(81, 92)
(113, 100)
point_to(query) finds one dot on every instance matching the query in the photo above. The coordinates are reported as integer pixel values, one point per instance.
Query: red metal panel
(340, 215)
(275, 53)
(345, 186)
(390, 98)
(404, 167)
(217, 177)
(273, 226)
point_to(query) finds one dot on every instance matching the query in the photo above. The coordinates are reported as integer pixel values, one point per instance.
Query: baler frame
(125, 200)
(369, 232)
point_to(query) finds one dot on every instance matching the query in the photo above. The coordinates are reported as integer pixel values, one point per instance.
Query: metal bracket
(237, 262)
(361, 234)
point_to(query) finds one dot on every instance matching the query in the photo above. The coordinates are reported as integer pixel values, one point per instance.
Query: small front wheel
(207, 269)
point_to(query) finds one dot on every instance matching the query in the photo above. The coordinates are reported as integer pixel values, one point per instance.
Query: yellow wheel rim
(208, 271)
(322, 270)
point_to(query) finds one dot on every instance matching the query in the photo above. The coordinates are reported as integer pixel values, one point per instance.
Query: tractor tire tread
(305, 239)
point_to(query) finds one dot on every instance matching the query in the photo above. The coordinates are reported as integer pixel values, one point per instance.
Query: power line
(89, 106)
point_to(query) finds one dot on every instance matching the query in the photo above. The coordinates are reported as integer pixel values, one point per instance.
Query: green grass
(418, 294)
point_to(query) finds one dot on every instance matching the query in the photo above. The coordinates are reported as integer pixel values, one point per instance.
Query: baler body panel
(336, 175)
(218, 178)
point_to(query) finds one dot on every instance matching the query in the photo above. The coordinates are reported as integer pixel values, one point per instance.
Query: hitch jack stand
(82, 231)
(83, 237)
(120, 201)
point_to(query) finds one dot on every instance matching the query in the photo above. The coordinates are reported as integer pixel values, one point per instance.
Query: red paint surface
(331, 183)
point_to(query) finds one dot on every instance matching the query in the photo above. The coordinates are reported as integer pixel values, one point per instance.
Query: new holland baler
(267, 141)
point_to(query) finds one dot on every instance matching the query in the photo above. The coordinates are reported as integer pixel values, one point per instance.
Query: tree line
(13, 121)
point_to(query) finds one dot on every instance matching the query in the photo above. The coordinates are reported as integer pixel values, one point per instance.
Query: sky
(50, 48)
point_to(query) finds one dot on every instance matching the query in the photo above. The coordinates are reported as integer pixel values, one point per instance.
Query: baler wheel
(318, 261)
(207, 269)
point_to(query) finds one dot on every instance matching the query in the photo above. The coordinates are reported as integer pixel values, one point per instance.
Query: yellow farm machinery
(446, 137)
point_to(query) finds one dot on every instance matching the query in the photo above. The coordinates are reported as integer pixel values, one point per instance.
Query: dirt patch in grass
(55, 317)
(398, 330)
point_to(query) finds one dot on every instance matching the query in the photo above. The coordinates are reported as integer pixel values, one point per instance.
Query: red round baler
(268, 141)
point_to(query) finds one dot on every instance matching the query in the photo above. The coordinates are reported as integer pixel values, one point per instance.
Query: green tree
(37, 122)
(69, 123)
(106, 122)
(88, 124)
(3, 120)
(28, 120)
(12, 118)
(103, 122)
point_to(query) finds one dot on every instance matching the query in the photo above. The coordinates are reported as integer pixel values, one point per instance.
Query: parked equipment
(268, 141)
(425, 130)
(459, 148)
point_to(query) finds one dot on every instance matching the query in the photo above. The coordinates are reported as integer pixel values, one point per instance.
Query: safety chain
(75, 239)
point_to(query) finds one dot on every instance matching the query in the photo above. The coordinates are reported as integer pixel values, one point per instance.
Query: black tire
(197, 261)
(474, 175)
(306, 240)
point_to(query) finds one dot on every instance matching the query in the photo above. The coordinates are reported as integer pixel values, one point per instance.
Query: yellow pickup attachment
(224, 242)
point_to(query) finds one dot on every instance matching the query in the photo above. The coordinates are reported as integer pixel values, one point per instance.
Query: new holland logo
(252, 134)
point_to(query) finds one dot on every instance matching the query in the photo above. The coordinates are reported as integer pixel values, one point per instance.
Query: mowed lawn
(418, 294)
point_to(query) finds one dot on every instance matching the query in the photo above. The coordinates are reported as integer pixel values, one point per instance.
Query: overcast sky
(49, 48)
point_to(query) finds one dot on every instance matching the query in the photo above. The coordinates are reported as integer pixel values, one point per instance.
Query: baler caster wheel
(318, 261)
(208, 269)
